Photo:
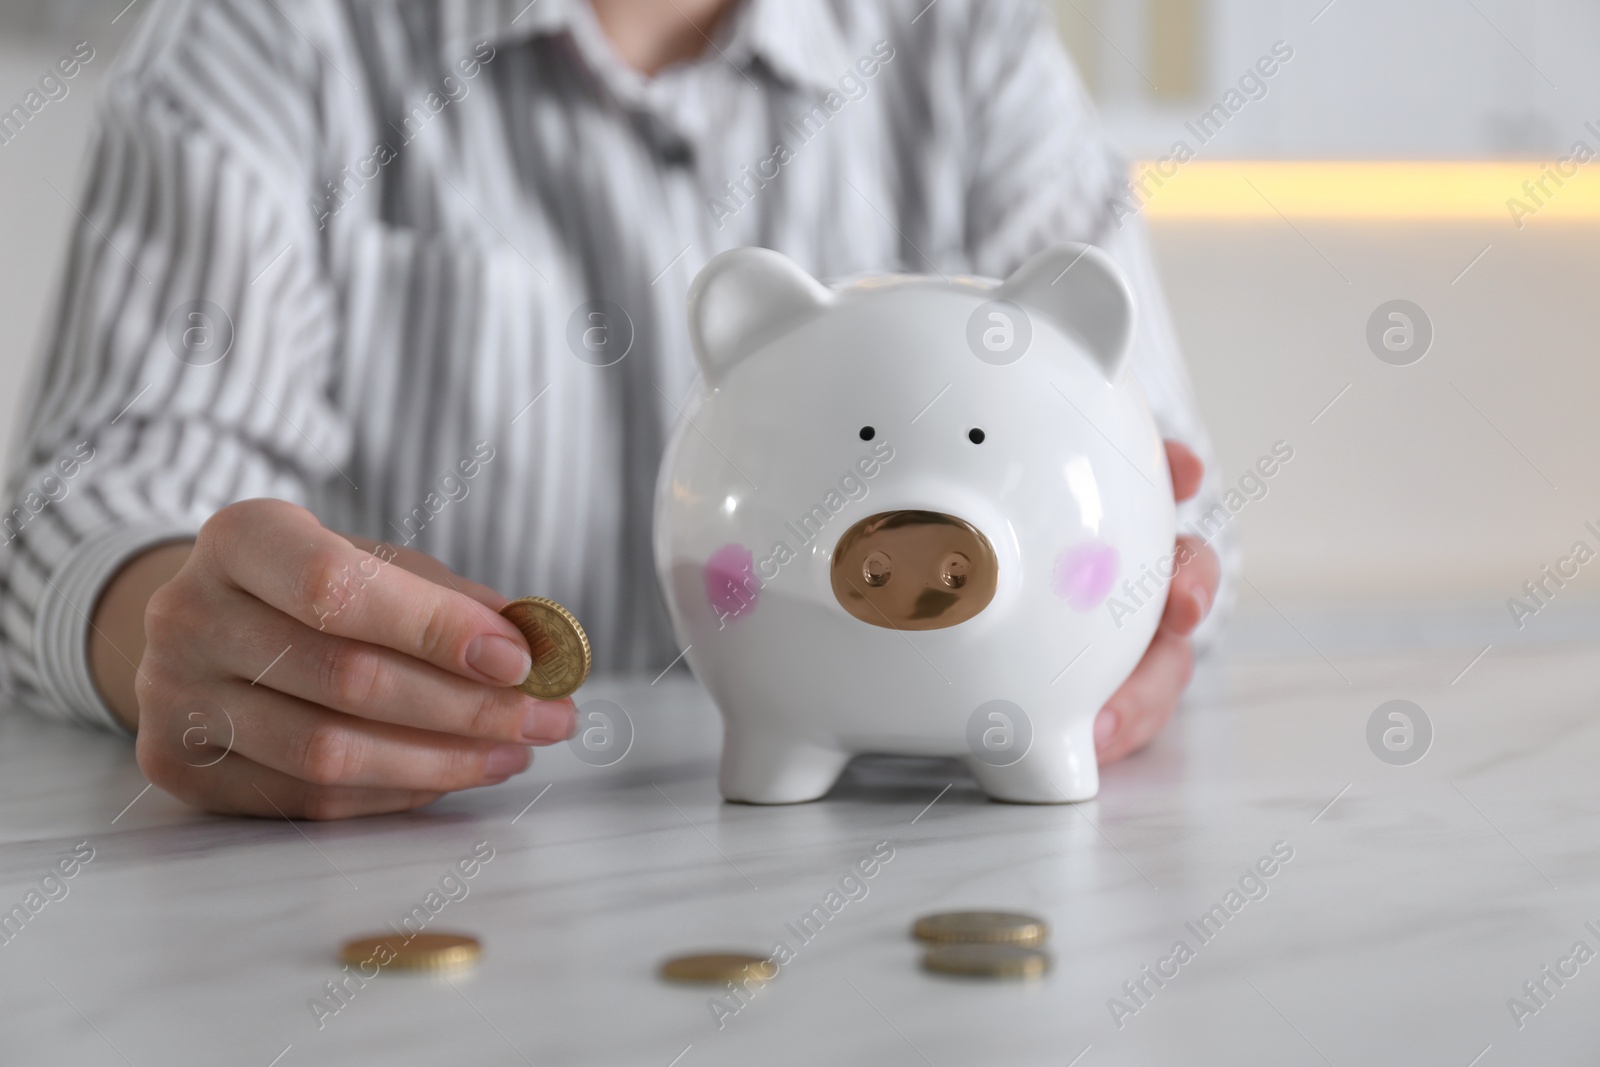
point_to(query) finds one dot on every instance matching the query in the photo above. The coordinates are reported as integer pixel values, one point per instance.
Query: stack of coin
(560, 648)
(983, 944)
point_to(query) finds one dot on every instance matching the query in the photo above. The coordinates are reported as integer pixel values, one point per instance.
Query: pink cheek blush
(731, 584)
(1085, 573)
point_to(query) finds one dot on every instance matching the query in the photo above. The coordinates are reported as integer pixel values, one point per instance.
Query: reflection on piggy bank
(913, 515)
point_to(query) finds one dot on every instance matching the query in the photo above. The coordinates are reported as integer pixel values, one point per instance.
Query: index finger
(424, 565)
(287, 559)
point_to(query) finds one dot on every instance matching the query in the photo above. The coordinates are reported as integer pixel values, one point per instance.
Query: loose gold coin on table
(717, 967)
(981, 927)
(423, 952)
(560, 648)
(986, 961)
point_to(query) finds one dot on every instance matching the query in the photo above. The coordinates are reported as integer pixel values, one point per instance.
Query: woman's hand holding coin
(288, 670)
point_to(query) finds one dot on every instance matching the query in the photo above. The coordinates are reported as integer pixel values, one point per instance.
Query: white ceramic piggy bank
(913, 515)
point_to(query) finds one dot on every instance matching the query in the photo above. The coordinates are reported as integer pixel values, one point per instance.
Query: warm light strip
(1370, 190)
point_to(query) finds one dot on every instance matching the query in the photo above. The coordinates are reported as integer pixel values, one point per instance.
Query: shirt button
(676, 153)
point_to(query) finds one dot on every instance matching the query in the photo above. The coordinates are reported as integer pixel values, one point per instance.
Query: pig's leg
(1058, 769)
(764, 765)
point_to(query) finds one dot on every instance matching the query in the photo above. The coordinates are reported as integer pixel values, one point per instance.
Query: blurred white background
(1370, 79)
(1448, 482)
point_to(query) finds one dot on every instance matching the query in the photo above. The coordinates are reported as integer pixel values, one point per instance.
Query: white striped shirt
(395, 220)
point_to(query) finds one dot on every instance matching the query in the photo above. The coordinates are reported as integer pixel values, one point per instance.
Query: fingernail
(1202, 602)
(504, 761)
(498, 658)
(1105, 727)
(548, 721)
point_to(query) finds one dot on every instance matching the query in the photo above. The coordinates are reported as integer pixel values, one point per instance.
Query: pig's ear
(743, 299)
(1081, 291)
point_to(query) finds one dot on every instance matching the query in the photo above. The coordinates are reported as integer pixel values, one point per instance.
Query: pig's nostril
(875, 569)
(954, 570)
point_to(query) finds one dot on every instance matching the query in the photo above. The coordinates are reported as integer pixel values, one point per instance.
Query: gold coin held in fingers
(981, 927)
(560, 648)
(986, 961)
(419, 952)
(718, 967)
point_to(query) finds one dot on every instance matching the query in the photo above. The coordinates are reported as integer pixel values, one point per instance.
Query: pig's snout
(914, 570)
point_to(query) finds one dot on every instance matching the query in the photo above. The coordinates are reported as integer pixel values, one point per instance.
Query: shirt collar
(464, 23)
(800, 40)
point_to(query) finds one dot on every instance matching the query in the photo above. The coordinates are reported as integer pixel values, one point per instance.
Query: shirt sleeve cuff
(61, 627)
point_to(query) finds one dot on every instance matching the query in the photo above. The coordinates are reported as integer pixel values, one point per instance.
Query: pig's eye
(868, 433)
(975, 435)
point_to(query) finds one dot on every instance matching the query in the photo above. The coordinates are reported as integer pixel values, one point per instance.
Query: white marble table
(1418, 899)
